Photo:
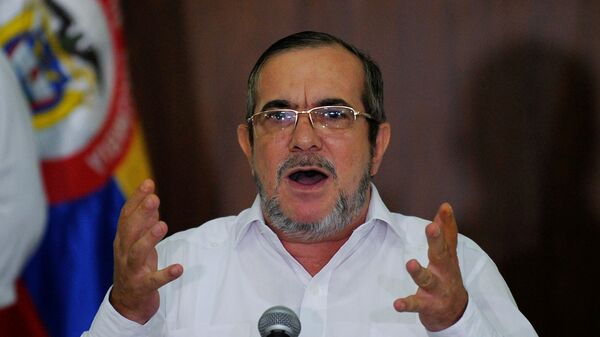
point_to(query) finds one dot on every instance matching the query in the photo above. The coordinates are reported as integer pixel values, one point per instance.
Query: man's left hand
(441, 298)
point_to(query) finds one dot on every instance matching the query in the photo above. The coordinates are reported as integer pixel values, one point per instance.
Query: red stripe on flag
(21, 318)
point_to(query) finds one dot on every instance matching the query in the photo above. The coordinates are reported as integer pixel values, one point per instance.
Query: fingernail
(399, 305)
(176, 270)
(157, 230)
(150, 202)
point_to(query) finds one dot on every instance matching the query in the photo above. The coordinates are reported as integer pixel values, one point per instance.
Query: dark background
(493, 106)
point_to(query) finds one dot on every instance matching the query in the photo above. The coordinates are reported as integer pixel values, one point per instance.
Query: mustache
(306, 160)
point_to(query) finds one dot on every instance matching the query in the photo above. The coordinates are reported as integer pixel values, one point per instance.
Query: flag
(22, 200)
(69, 57)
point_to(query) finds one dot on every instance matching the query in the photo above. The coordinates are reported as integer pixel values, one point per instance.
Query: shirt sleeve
(472, 323)
(491, 310)
(109, 323)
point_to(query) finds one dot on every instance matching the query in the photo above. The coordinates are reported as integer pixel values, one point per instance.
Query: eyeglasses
(327, 117)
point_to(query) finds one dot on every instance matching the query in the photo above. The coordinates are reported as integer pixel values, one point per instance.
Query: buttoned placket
(313, 307)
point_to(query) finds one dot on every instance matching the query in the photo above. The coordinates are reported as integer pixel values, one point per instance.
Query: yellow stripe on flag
(134, 167)
(17, 26)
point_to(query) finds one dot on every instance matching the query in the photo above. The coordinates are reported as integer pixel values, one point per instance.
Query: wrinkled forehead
(305, 76)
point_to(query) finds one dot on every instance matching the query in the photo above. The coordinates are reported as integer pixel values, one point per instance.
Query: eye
(336, 113)
(277, 119)
(279, 115)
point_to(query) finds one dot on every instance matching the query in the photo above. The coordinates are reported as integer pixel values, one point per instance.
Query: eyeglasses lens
(332, 117)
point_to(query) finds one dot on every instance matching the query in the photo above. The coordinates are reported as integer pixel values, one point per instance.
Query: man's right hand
(137, 278)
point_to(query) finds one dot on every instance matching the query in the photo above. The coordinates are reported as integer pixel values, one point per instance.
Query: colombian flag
(69, 57)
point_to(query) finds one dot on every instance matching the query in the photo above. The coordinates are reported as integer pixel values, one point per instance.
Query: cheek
(351, 163)
(266, 160)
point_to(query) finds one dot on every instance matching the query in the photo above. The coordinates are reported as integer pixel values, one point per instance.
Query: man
(318, 239)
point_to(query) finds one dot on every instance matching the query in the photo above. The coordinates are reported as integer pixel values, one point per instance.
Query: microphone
(279, 321)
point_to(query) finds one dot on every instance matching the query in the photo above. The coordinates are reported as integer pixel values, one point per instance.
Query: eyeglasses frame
(355, 113)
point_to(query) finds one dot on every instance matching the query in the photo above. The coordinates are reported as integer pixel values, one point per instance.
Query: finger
(161, 277)
(145, 188)
(141, 249)
(445, 217)
(134, 202)
(139, 221)
(407, 304)
(423, 277)
(442, 235)
(437, 247)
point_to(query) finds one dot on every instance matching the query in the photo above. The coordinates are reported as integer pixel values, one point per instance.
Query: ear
(381, 144)
(244, 141)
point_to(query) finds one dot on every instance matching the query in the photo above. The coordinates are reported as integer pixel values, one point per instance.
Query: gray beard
(345, 210)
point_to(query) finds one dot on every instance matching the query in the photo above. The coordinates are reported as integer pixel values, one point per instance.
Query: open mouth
(308, 177)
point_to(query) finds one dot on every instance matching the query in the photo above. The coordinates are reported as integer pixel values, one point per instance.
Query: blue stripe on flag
(71, 271)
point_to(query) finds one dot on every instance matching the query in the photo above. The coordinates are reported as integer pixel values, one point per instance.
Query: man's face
(307, 169)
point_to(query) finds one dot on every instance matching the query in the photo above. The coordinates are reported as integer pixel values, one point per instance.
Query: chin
(307, 219)
(303, 214)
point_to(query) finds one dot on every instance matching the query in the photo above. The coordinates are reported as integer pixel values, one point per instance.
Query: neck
(314, 255)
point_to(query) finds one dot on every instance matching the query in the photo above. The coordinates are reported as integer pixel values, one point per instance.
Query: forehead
(306, 76)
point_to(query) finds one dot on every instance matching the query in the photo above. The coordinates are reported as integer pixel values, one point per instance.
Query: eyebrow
(285, 104)
(333, 101)
(276, 104)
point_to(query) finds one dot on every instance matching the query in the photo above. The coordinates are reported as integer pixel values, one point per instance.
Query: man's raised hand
(136, 276)
(441, 298)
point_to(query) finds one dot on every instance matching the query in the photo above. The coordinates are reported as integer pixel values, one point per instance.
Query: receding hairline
(315, 45)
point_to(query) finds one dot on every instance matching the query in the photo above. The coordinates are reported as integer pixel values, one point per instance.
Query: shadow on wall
(530, 136)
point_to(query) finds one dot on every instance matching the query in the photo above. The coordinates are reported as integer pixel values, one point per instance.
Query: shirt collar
(254, 215)
(378, 211)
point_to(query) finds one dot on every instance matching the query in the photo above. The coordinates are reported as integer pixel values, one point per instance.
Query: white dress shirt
(236, 267)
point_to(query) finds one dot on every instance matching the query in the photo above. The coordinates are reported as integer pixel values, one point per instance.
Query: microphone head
(280, 319)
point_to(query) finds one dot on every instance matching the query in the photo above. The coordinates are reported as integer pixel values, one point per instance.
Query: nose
(304, 135)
